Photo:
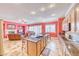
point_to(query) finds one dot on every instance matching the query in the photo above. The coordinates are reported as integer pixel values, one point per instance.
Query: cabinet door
(31, 48)
(73, 19)
(77, 19)
(38, 48)
(42, 44)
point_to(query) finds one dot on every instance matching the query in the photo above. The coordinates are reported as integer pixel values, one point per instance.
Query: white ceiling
(15, 11)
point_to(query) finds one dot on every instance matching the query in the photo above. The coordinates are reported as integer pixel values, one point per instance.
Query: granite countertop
(73, 43)
(34, 39)
(72, 46)
(74, 37)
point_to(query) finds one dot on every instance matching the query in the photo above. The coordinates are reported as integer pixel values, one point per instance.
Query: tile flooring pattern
(17, 48)
(12, 48)
(55, 47)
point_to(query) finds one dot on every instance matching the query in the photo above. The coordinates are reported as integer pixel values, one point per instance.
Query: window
(36, 29)
(11, 26)
(50, 28)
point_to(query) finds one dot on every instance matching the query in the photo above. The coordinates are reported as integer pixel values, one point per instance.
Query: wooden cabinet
(77, 18)
(73, 20)
(35, 48)
(31, 48)
(1, 39)
(42, 44)
(39, 48)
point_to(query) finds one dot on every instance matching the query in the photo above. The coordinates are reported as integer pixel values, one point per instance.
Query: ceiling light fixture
(53, 15)
(77, 9)
(51, 5)
(42, 9)
(33, 12)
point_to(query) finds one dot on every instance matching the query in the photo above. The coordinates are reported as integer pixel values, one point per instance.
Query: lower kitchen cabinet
(35, 48)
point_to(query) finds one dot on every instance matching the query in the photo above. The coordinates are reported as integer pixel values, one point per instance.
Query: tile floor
(54, 45)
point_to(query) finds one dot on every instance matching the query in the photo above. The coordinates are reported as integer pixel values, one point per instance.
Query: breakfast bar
(35, 46)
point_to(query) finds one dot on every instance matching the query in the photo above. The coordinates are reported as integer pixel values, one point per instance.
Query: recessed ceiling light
(33, 12)
(42, 9)
(51, 5)
(77, 9)
(53, 14)
(17, 4)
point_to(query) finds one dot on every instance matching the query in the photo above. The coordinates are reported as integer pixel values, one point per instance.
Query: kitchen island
(35, 45)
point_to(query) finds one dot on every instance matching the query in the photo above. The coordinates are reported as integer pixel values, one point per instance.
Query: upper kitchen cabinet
(77, 18)
(73, 18)
(71, 21)
(69, 18)
(65, 24)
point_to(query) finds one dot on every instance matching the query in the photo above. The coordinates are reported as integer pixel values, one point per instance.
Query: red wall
(58, 26)
(5, 27)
